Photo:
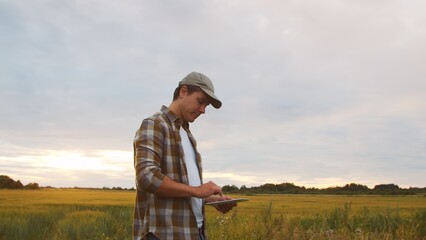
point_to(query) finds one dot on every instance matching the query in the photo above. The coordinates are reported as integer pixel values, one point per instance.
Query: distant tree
(387, 189)
(288, 188)
(230, 189)
(18, 185)
(32, 186)
(268, 188)
(7, 182)
(332, 190)
(244, 189)
(356, 188)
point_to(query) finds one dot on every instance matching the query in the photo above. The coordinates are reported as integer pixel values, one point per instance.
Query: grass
(322, 217)
(65, 214)
(100, 214)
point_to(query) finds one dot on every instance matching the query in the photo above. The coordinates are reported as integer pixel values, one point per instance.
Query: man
(170, 193)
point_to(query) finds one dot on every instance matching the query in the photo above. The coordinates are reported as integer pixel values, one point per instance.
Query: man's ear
(183, 91)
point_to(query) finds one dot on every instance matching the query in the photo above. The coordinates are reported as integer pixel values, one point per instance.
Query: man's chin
(193, 119)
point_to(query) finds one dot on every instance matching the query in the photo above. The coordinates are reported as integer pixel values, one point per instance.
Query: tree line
(268, 188)
(348, 189)
(7, 182)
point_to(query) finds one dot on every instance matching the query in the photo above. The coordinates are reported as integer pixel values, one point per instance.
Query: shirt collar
(173, 117)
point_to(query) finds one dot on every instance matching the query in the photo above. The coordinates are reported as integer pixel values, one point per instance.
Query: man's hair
(190, 88)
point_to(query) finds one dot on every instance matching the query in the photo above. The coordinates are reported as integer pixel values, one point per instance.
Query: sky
(315, 93)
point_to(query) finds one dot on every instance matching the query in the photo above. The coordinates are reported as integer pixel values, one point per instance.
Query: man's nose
(203, 109)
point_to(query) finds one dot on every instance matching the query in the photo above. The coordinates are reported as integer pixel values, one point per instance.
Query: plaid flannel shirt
(158, 152)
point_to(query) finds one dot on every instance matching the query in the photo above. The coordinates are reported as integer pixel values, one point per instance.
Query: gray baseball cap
(202, 81)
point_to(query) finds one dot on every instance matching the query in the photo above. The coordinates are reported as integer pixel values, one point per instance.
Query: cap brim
(215, 102)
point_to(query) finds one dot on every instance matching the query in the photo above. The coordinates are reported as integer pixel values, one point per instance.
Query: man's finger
(220, 193)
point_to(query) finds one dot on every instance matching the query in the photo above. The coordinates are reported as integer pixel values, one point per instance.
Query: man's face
(193, 105)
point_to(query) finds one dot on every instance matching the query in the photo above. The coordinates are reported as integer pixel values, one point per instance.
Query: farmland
(107, 214)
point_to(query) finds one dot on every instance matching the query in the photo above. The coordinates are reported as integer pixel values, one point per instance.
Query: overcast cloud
(317, 93)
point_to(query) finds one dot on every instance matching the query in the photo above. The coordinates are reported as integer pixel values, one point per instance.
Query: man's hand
(208, 189)
(223, 208)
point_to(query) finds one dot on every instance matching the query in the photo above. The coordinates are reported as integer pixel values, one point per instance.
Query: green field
(102, 214)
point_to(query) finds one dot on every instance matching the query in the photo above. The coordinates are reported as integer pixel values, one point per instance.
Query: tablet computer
(228, 201)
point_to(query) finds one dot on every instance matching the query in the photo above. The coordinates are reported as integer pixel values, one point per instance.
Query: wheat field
(107, 214)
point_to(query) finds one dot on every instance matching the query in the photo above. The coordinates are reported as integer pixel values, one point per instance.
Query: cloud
(69, 168)
(312, 93)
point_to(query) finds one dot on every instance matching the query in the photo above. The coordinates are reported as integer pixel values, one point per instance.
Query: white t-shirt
(193, 174)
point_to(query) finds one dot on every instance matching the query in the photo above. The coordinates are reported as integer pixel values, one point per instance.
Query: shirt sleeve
(148, 149)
